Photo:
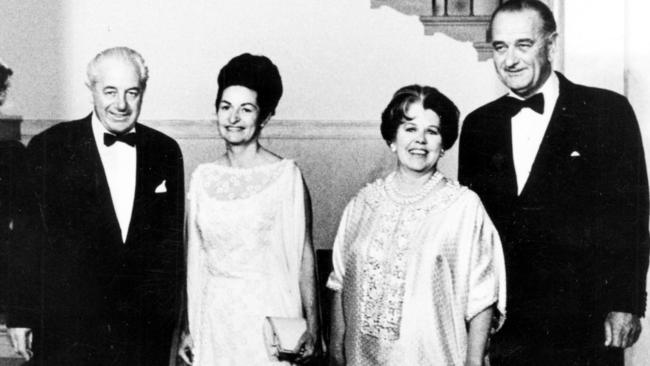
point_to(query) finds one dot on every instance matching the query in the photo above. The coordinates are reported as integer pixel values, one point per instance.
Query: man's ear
(551, 46)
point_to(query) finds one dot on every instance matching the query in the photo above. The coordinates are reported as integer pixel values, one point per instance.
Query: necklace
(396, 195)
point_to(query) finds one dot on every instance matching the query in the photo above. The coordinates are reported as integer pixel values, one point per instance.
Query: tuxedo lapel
(547, 150)
(554, 146)
(147, 175)
(140, 177)
(502, 160)
(90, 163)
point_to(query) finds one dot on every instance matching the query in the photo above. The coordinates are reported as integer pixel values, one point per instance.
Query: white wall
(594, 33)
(32, 42)
(340, 59)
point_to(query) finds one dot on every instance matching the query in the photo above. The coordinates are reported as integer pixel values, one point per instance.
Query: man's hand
(185, 348)
(21, 340)
(621, 329)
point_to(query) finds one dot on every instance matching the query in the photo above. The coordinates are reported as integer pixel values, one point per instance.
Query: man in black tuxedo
(100, 283)
(560, 168)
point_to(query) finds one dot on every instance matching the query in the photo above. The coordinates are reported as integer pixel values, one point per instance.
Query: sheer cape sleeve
(487, 281)
(346, 235)
(293, 226)
(335, 280)
(196, 267)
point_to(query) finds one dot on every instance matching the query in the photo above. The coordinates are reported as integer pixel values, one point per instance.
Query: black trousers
(95, 346)
(518, 349)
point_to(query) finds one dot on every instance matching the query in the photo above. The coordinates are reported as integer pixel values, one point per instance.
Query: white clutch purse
(281, 336)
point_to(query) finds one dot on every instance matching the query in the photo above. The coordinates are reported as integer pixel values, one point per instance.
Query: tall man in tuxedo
(99, 284)
(561, 171)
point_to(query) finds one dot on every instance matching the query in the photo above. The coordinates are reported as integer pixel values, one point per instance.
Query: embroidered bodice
(412, 272)
(245, 232)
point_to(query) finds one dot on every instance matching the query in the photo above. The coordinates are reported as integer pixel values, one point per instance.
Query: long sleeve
(196, 270)
(487, 281)
(624, 190)
(176, 184)
(466, 154)
(335, 280)
(293, 223)
(166, 268)
(25, 244)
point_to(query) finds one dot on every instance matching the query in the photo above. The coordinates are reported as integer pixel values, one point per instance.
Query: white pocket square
(162, 188)
(575, 154)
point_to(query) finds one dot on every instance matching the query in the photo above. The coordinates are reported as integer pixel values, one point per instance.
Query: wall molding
(276, 129)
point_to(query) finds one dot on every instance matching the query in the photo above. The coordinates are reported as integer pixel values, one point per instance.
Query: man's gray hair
(123, 53)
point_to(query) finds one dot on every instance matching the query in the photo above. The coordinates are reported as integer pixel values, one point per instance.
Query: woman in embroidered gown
(418, 267)
(249, 243)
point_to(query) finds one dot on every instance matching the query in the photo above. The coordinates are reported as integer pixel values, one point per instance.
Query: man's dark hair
(5, 73)
(548, 21)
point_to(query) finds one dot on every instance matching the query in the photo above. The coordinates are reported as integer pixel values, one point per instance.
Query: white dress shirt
(528, 128)
(119, 161)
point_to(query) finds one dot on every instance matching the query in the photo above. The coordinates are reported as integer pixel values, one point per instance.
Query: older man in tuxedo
(98, 284)
(560, 168)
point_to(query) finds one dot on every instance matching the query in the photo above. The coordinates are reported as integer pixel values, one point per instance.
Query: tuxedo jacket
(11, 174)
(576, 237)
(74, 281)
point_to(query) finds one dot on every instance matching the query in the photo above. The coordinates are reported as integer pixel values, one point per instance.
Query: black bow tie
(127, 138)
(536, 103)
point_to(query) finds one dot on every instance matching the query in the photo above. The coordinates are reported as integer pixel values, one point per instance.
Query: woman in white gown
(248, 231)
(418, 267)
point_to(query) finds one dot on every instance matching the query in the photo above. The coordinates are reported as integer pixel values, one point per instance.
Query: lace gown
(245, 239)
(412, 272)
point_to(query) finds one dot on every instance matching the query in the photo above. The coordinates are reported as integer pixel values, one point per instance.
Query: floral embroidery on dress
(235, 241)
(385, 262)
(245, 241)
(227, 183)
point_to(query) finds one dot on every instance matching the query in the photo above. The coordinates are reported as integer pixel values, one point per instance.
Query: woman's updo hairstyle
(254, 72)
